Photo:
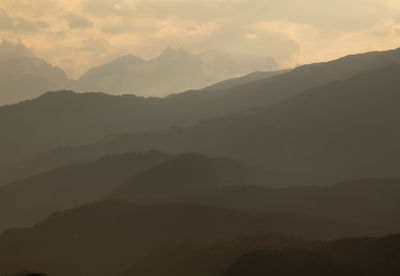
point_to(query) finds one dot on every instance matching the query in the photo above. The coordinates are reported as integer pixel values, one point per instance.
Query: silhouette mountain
(340, 131)
(197, 259)
(230, 83)
(66, 118)
(33, 199)
(190, 174)
(274, 255)
(353, 202)
(106, 238)
(69, 119)
(173, 71)
(355, 257)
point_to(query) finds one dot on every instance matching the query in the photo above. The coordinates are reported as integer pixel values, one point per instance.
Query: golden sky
(78, 34)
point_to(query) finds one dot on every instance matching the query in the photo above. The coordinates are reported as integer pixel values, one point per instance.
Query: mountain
(113, 73)
(173, 71)
(343, 130)
(189, 174)
(67, 118)
(106, 238)
(274, 255)
(340, 131)
(28, 77)
(28, 201)
(352, 202)
(275, 89)
(197, 259)
(220, 65)
(355, 257)
(230, 83)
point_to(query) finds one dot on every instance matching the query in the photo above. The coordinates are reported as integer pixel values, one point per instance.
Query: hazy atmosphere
(84, 33)
(199, 138)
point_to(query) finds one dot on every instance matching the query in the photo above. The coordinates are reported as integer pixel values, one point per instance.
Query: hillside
(340, 131)
(212, 259)
(276, 255)
(190, 174)
(255, 76)
(106, 238)
(28, 201)
(349, 257)
(82, 118)
(374, 204)
(199, 138)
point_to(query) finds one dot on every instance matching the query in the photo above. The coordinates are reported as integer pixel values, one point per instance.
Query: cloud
(94, 46)
(84, 33)
(19, 24)
(77, 22)
(103, 8)
(32, 8)
(144, 26)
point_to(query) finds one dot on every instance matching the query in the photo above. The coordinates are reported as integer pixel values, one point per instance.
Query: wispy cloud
(85, 33)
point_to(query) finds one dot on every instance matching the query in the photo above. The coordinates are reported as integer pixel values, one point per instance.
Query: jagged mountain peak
(171, 52)
(128, 59)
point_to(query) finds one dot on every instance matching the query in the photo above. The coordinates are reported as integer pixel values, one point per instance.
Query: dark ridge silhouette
(230, 83)
(106, 238)
(63, 118)
(28, 201)
(350, 257)
(274, 255)
(190, 174)
(29, 274)
(198, 259)
(70, 119)
(373, 204)
(344, 130)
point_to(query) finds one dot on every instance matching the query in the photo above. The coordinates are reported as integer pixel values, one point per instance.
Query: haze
(199, 138)
(87, 33)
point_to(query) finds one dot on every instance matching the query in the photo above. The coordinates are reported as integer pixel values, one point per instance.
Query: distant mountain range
(343, 130)
(156, 178)
(66, 118)
(28, 201)
(175, 70)
(248, 191)
(28, 77)
(215, 181)
(189, 199)
(189, 174)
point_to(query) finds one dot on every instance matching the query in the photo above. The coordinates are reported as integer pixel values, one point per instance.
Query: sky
(79, 34)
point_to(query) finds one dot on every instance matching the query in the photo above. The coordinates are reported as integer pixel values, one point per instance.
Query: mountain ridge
(107, 237)
(132, 113)
(30, 200)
